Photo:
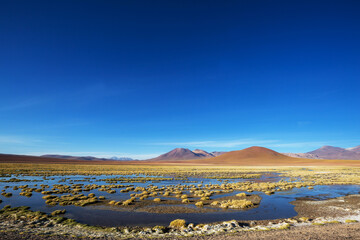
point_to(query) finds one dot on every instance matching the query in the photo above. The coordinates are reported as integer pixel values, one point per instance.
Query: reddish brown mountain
(250, 153)
(182, 154)
(249, 156)
(254, 156)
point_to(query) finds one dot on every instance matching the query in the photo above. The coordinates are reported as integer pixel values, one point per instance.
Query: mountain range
(179, 154)
(330, 152)
(87, 158)
(252, 156)
(325, 152)
(185, 154)
(248, 156)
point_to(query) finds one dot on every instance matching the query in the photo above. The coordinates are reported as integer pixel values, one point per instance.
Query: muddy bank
(332, 231)
(336, 207)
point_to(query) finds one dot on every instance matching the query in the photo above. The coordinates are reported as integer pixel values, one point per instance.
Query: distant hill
(182, 154)
(12, 158)
(249, 153)
(330, 152)
(260, 156)
(203, 153)
(354, 149)
(252, 156)
(122, 158)
(215, 154)
(302, 155)
(87, 158)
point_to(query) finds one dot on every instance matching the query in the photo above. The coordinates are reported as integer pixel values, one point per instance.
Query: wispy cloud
(218, 144)
(245, 142)
(298, 144)
(8, 139)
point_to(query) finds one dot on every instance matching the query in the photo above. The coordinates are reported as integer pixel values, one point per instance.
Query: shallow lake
(271, 207)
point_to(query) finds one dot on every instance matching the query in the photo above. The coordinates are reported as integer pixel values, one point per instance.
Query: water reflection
(271, 207)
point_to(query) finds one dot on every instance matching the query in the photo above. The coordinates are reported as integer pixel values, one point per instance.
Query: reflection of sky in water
(271, 207)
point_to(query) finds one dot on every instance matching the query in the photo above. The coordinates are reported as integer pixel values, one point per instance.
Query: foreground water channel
(271, 207)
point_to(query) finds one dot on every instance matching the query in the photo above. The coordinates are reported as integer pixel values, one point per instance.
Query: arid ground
(256, 194)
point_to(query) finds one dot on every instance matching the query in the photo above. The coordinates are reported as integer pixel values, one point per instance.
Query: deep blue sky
(138, 78)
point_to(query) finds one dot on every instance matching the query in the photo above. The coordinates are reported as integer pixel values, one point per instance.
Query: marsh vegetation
(156, 195)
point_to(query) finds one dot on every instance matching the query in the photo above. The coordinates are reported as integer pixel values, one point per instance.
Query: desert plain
(252, 193)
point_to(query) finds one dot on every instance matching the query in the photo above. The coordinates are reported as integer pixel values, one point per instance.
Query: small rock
(206, 228)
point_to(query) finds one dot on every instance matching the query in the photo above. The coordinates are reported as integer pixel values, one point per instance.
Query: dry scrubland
(317, 174)
(197, 194)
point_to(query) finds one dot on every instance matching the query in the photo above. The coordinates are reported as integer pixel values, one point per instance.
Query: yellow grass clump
(199, 204)
(127, 202)
(350, 221)
(178, 224)
(236, 204)
(185, 200)
(57, 212)
(304, 219)
(241, 194)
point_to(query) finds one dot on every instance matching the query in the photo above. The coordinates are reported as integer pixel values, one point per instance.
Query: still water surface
(271, 206)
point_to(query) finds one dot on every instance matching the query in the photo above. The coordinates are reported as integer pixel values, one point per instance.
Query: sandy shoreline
(332, 231)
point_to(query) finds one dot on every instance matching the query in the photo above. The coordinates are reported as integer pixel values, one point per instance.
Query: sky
(139, 78)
